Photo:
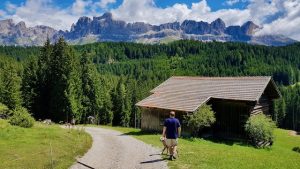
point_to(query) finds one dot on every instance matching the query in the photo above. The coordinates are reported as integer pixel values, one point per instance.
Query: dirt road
(113, 150)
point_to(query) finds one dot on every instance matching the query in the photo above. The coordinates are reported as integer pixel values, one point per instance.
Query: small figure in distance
(171, 131)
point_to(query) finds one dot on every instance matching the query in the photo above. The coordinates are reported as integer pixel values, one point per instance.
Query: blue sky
(214, 4)
(273, 16)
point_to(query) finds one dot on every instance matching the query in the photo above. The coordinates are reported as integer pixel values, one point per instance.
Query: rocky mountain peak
(21, 25)
(249, 28)
(84, 20)
(7, 21)
(107, 16)
(218, 26)
(219, 22)
(105, 28)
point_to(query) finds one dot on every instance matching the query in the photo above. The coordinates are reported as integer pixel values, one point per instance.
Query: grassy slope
(30, 148)
(199, 153)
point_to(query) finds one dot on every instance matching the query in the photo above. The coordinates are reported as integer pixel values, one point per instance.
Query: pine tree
(10, 93)
(106, 115)
(30, 86)
(44, 80)
(91, 102)
(121, 105)
(64, 91)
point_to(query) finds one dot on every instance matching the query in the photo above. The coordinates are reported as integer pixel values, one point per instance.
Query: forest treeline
(105, 80)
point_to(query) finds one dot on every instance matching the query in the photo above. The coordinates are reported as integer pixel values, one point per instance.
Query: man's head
(172, 113)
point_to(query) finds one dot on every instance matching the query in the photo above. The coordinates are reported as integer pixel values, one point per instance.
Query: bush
(297, 149)
(4, 111)
(260, 130)
(202, 118)
(21, 118)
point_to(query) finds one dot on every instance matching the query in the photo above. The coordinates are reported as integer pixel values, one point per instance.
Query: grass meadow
(43, 146)
(214, 154)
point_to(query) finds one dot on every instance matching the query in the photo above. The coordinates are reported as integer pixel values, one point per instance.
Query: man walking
(171, 132)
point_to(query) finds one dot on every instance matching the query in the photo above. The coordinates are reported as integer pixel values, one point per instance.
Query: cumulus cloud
(42, 12)
(10, 7)
(104, 3)
(147, 11)
(232, 2)
(79, 6)
(274, 16)
(287, 23)
(45, 12)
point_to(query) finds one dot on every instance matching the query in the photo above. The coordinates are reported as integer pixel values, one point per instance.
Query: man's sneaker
(171, 157)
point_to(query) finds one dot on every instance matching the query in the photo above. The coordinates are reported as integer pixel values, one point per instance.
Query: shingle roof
(188, 93)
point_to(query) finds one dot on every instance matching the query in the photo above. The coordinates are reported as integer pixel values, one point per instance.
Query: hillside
(130, 71)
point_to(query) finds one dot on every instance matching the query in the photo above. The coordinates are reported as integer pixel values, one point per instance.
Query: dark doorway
(231, 117)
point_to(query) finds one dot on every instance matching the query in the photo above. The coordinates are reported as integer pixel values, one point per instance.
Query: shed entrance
(230, 116)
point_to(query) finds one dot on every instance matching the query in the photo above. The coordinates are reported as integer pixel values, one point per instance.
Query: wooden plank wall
(150, 120)
(153, 119)
(262, 106)
(230, 117)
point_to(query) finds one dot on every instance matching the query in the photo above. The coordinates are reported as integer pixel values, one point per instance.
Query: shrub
(200, 119)
(21, 118)
(260, 130)
(296, 149)
(4, 111)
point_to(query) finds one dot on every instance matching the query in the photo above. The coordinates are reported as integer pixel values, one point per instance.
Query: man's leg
(174, 151)
(175, 142)
(171, 150)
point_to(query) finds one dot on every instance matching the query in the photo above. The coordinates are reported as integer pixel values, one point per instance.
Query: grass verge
(214, 154)
(42, 146)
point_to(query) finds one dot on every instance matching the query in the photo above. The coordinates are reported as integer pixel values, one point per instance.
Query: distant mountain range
(105, 28)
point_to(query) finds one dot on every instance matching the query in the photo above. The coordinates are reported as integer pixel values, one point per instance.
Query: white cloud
(147, 11)
(232, 2)
(44, 12)
(10, 7)
(288, 23)
(79, 6)
(104, 3)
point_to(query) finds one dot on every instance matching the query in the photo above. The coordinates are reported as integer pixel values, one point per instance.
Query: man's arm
(164, 131)
(179, 131)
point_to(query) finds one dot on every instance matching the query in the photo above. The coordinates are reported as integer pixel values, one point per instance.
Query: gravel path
(113, 150)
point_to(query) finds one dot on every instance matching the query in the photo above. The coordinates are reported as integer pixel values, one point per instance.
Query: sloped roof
(184, 93)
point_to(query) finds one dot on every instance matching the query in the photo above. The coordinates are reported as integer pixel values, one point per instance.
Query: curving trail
(113, 150)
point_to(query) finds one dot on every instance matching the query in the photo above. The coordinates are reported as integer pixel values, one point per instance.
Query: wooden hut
(233, 99)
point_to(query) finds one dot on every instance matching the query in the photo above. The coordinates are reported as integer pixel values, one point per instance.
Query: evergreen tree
(106, 115)
(30, 86)
(120, 105)
(64, 92)
(91, 100)
(10, 93)
(44, 81)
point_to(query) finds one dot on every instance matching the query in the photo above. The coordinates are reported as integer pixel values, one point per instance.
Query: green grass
(208, 154)
(31, 148)
(293, 85)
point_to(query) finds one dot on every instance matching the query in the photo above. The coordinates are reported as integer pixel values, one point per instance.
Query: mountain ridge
(106, 28)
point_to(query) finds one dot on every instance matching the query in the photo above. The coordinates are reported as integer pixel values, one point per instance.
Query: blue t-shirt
(172, 125)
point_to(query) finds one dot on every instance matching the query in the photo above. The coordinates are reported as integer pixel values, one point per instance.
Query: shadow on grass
(230, 141)
(140, 133)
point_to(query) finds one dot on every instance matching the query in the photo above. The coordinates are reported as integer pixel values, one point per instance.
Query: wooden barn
(233, 99)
